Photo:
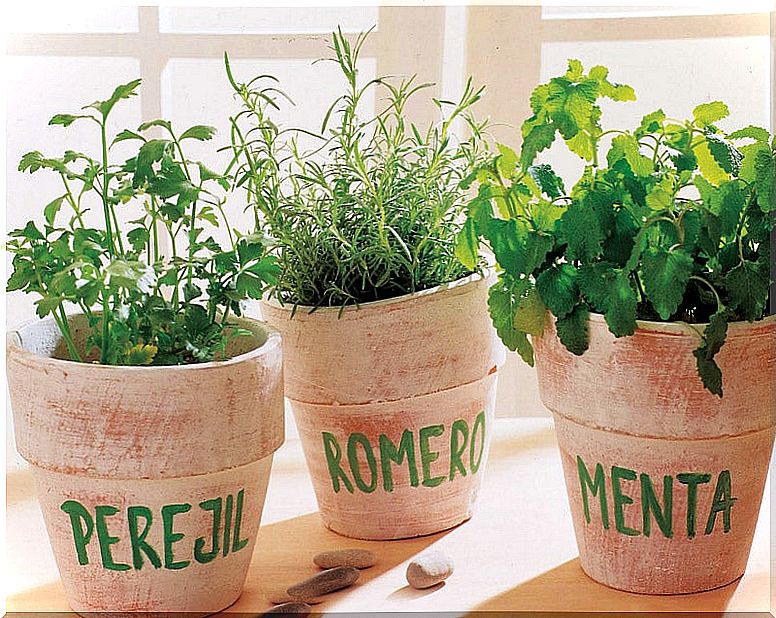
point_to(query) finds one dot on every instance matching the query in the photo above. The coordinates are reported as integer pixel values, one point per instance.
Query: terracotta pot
(394, 401)
(151, 479)
(664, 479)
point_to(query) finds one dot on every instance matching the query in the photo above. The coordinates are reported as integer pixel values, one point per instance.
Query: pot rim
(14, 344)
(484, 275)
(681, 328)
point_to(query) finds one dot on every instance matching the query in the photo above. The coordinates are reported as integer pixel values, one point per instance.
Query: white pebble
(429, 569)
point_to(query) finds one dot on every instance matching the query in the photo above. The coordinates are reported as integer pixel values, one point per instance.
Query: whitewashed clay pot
(394, 401)
(636, 428)
(151, 479)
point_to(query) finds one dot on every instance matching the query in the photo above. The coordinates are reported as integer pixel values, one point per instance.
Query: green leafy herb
(143, 305)
(674, 223)
(374, 209)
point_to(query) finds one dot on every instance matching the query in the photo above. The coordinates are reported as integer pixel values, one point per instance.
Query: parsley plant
(143, 307)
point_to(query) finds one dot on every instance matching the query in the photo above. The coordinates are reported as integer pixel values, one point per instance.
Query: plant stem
(708, 284)
(105, 329)
(639, 286)
(192, 238)
(154, 231)
(64, 328)
(225, 316)
(220, 207)
(105, 205)
(72, 201)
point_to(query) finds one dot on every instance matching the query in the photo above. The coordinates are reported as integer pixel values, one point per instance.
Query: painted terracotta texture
(634, 422)
(388, 350)
(151, 479)
(381, 389)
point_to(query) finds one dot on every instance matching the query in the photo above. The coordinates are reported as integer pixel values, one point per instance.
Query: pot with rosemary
(394, 411)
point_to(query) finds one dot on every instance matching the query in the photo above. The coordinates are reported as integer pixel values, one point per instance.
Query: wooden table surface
(517, 553)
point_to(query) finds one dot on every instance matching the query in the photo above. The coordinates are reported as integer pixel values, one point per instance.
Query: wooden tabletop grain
(517, 554)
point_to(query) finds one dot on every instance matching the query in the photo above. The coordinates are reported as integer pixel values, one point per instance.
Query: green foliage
(375, 209)
(673, 224)
(142, 307)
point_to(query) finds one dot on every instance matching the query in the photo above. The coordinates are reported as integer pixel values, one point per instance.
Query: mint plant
(143, 305)
(672, 224)
(372, 211)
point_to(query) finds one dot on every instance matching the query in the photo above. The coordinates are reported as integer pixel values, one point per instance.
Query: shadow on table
(284, 552)
(547, 596)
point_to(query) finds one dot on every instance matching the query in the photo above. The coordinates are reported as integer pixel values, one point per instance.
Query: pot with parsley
(148, 409)
(642, 295)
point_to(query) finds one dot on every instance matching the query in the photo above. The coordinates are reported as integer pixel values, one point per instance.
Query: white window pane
(70, 17)
(267, 20)
(38, 88)
(675, 75)
(614, 10)
(197, 91)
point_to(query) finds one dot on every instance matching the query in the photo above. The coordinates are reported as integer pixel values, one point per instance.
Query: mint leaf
(714, 337)
(619, 245)
(765, 170)
(616, 92)
(582, 144)
(709, 372)
(708, 164)
(530, 311)
(627, 147)
(467, 247)
(650, 123)
(727, 156)
(658, 199)
(708, 113)
(748, 285)
(558, 288)
(579, 227)
(518, 250)
(549, 182)
(574, 330)
(596, 282)
(545, 215)
(729, 203)
(535, 140)
(506, 161)
(756, 133)
(502, 311)
(665, 278)
(622, 303)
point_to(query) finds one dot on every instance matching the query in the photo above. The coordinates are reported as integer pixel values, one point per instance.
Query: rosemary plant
(373, 210)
